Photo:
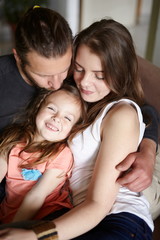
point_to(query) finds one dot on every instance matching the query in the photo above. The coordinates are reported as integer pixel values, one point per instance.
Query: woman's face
(89, 75)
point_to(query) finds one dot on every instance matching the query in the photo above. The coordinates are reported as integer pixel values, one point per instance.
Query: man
(42, 57)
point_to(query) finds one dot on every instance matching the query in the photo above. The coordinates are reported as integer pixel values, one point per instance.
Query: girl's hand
(17, 234)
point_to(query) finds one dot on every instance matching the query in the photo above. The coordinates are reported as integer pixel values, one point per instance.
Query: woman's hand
(17, 234)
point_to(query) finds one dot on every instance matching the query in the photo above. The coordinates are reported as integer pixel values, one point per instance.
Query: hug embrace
(104, 69)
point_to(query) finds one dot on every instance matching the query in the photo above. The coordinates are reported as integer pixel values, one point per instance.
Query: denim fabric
(121, 226)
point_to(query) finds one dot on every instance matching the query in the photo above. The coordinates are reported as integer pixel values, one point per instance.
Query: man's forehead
(48, 66)
(53, 73)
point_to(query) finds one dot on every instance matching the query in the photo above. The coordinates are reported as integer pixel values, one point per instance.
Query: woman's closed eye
(99, 77)
(77, 68)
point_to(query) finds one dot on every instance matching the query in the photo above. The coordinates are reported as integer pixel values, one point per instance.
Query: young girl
(35, 157)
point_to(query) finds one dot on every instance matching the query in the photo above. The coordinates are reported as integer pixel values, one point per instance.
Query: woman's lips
(87, 92)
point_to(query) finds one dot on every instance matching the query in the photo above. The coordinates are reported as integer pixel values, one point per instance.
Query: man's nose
(55, 82)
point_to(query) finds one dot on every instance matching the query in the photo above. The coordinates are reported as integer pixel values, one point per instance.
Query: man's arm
(152, 120)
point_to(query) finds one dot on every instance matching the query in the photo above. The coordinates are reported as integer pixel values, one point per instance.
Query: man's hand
(138, 167)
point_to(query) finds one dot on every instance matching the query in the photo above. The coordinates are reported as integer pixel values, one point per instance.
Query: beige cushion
(153, 192)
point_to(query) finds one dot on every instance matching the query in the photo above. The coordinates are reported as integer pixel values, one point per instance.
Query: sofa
(150, 79)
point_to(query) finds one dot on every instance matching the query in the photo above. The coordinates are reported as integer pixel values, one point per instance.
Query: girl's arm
(3, 168)
(36, 196)
(120, 134)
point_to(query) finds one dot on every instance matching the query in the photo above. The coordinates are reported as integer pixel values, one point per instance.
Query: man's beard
(28, 76)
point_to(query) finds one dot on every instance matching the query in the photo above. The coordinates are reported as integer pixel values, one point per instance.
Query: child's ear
(16, 55)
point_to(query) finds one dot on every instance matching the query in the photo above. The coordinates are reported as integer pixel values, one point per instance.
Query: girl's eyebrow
(95, 71)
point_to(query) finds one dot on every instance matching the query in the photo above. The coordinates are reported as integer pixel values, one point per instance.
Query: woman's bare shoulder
(121, 114)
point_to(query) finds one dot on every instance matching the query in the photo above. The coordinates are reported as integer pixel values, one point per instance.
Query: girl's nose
(56, 118)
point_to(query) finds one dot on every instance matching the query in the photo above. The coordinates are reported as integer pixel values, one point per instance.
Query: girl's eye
(51, 108)
(68, 119)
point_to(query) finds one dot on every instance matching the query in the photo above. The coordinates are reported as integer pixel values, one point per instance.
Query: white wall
(73, 14)
(123, 11)
(69, 9)
(156, 54)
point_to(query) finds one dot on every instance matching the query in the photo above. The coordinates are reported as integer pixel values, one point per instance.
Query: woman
(105, 72)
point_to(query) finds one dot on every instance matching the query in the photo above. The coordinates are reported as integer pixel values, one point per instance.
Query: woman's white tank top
(85, 148)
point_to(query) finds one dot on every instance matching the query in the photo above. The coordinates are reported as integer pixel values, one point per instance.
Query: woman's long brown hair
(113, 44)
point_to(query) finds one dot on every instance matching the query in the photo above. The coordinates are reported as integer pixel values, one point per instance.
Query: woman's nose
(86, 80)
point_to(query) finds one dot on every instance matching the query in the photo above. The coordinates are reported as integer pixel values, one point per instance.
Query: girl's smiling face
(89, 75)
(56, 117)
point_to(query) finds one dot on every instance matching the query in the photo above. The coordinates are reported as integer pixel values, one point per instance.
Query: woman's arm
(36, 196)
(142, 162)
(120, 133)
(17, 234)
